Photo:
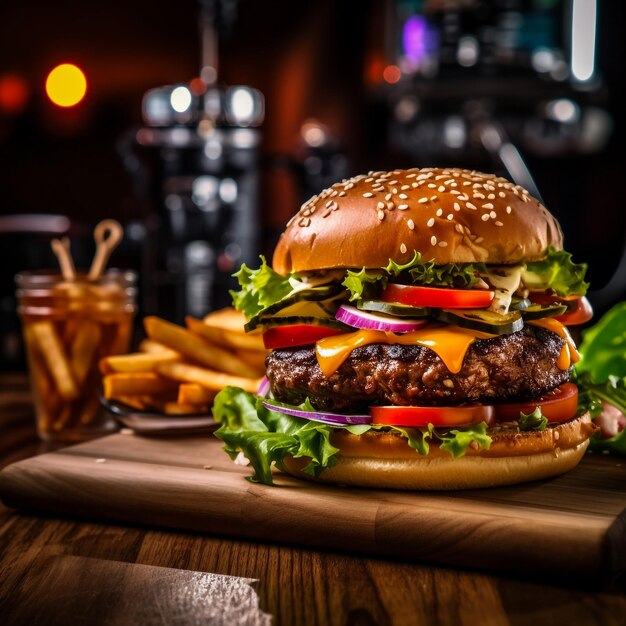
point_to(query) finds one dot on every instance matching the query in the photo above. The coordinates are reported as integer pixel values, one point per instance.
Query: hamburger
(416, 322)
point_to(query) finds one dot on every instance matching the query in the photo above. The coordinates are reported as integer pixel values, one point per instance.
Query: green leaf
(557, 272)
(369, 283)
(532, 421)
(614, 445)
(456, 442)
(265, 437)
(603, 346)
(260, 288)
(360, 283)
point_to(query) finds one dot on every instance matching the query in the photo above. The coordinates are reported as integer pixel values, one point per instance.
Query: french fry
(192, 393)
(136, 402)
(254, 358)
(174, 408)
(83, 349)
(210, 379)
(136, 362)
(225, 335)
(135, 384)
(50, 347)
(196, 348)
(154, 347)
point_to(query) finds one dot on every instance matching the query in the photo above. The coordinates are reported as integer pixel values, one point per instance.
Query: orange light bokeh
(66, 85)
(392, 74)
(14, 93)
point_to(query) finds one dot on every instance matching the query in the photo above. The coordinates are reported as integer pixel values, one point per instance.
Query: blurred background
(203, 125)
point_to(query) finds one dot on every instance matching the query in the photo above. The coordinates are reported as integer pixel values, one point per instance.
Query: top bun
(448, 215)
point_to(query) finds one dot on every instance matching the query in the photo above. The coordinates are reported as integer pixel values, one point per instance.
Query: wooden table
(61, 571)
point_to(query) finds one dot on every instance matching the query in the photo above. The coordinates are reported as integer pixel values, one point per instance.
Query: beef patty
(511, 367)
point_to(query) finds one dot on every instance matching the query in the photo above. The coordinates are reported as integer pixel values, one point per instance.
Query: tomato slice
(464, 415)
(558, 405)
(296, 335)
(579, 308)
(439, 297)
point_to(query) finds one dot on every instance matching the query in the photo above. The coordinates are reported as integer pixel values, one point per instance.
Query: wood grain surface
(295, 585)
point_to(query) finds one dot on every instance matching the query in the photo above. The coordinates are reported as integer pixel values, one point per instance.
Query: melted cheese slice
(569, 353)
(450, 343)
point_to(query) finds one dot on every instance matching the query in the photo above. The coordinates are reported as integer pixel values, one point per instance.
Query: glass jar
(68, 326)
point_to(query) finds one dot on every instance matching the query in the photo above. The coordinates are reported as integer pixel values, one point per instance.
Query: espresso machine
(194, 165)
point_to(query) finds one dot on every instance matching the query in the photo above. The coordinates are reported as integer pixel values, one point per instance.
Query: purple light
(414, 34)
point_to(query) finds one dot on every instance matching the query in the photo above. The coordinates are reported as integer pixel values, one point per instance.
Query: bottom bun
(513, 457)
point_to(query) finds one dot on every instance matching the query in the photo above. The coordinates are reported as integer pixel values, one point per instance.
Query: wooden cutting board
(573, 525)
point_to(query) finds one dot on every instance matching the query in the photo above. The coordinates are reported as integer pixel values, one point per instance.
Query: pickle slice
(536, 311)
(395, 309)
(482, 320)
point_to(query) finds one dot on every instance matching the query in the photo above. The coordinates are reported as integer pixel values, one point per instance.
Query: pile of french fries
(179, 370)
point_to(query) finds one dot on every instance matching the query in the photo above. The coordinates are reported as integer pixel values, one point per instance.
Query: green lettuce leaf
(456, 442)
(603, 346)
(368, 283)
(364, 284)
(260, 288)
(533, 421)
(557, 272)
(265, 437)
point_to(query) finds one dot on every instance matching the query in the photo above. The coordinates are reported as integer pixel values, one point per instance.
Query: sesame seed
(459, 228)
(413, 175)
(381, 215)
(433, 198)
(469, 205)
(430, 222)
(441, 188)
(433, 241)
(489, 205)
(422, 200)
(508, 210)
(442, 244)
(457, 206)
(393, 182)
(342, 193)
(431, 186)
(466, 183)
(454, 192)
(415, 185)
(388, 197)
(403, 196)
(390, 206)
(491, 196)
(305, 221)
(478, 239)
(380, 205)
(334, 193)
(492, 214)
(411, 224)
(403, 207)
(368, 180)
(402, 248)
(499, 224)
(381, 188)
(485, 217)
(329, 203)
(368, 194)
(405, 187)
(479, 195)
(502, 194)
(439, 212)
(450, 216)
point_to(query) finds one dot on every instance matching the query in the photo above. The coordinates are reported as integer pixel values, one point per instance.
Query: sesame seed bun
(384, 459)
(448, 215)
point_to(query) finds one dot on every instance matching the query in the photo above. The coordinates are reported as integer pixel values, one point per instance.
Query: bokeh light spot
(66, 85)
